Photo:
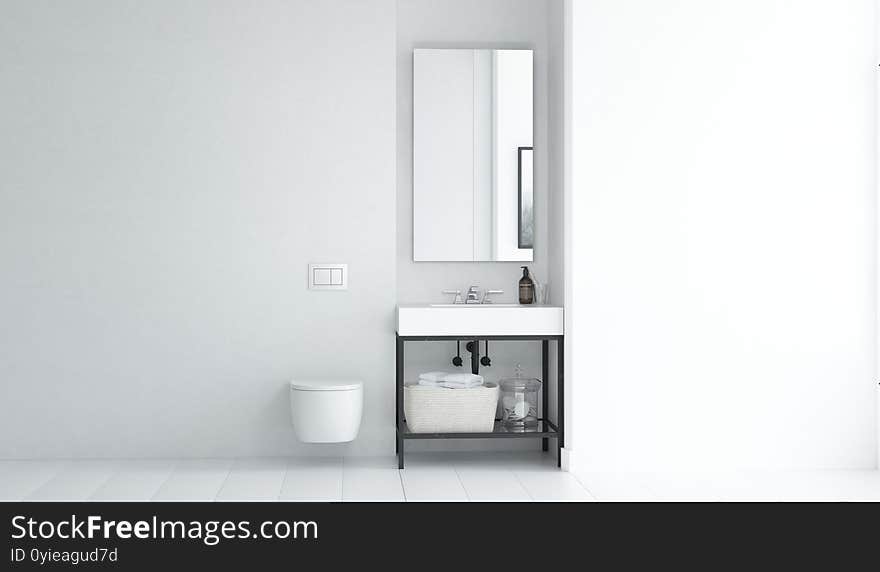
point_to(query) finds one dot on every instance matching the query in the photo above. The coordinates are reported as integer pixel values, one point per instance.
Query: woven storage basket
(441, 410)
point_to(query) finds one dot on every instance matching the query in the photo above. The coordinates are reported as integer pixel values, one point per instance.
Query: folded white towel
(464, 378)
(433, 375)
(450, 380)
(448, 384)
(453, 385)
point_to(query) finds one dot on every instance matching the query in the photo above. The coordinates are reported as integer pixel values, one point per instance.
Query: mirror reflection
(473, 179)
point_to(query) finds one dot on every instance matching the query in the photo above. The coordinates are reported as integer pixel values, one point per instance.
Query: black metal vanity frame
(546, 429)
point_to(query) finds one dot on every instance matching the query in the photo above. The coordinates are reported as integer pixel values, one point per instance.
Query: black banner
(150, 536)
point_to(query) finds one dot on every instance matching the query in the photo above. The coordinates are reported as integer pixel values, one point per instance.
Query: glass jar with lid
(519, 401)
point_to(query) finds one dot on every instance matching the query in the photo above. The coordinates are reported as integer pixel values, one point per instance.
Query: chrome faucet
(457, 293)
(473, 296)
(486, 293)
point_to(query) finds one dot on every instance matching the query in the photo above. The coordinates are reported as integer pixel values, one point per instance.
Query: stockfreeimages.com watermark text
(210, 532)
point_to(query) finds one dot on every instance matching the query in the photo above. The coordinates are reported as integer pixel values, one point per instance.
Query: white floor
(428, 477)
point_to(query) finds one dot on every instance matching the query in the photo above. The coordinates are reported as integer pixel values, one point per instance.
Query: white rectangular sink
(473, 305)
(479, 320)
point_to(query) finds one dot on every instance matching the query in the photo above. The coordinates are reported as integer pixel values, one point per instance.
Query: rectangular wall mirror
(473, 180)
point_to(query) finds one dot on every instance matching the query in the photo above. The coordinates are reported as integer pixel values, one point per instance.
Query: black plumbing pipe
(474, 348)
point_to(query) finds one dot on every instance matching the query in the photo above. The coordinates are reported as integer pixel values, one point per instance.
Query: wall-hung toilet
(326, 411)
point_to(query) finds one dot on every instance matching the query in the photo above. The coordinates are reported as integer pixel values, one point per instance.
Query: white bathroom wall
(723, 193)
(167, 171)
(556, 127)
(558, 211)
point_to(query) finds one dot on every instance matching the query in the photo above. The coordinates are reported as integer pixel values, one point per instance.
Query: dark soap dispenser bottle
(526, 287)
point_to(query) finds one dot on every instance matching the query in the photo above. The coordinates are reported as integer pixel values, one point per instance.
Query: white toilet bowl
(326, 411)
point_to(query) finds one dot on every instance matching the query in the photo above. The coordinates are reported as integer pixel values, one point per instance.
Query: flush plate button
(328, 276)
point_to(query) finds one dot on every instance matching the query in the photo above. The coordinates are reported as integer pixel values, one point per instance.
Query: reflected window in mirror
(525, 202)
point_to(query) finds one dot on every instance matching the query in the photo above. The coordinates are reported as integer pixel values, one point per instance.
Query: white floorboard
(18, 479)
(371, 479)
(136, 480)
(617, 486)
(76, 481)
(315, 479)
(556, 486)
(432, 484)
(254, 480)
(195, 480)
(492, 484)
(428, 477)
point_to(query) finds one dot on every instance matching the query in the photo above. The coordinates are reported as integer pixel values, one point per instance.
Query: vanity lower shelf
(544, 430)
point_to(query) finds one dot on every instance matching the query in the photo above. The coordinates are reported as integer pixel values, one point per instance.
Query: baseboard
(565, 465)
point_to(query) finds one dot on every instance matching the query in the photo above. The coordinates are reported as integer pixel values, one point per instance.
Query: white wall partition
(723, 193)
